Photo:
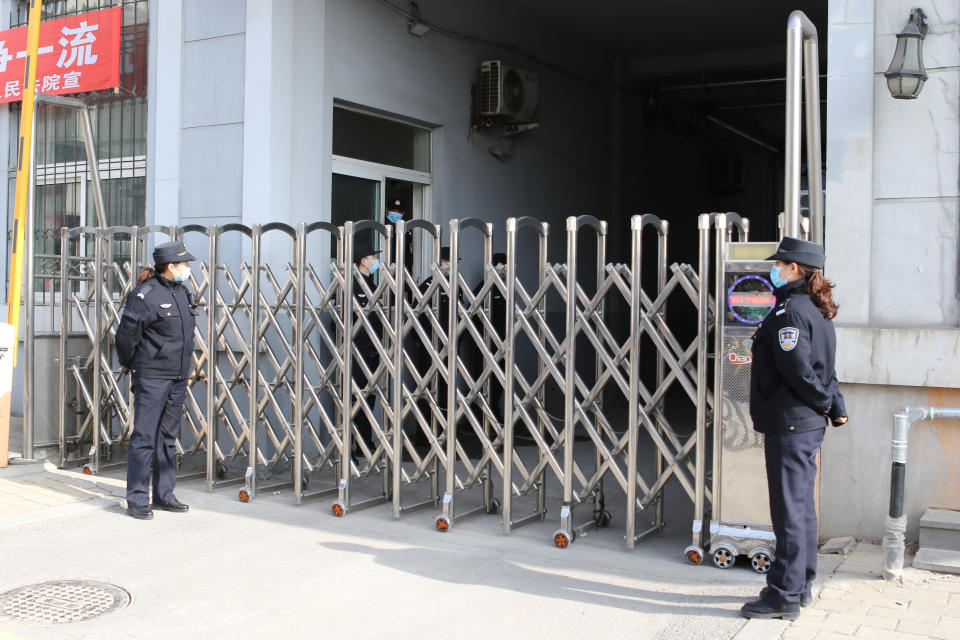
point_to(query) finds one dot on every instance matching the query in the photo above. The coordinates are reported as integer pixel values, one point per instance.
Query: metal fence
(281, 397)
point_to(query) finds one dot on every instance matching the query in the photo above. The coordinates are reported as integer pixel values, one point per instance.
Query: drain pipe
(896, 522)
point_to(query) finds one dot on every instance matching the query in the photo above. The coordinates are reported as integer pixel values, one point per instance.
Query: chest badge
(788, 338)
(166, 305)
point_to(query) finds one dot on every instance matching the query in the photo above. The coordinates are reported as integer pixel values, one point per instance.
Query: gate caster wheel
(724, 558)
(693, 554)
(494, 506)
(562, 539)
(604, 519)
(88, 469)
(338, 509)
(761, 562)
(244, 495)
(442, 523)
(220, 470)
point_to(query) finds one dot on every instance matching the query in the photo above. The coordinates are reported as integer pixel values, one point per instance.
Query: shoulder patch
(788, 337)
(145, 290)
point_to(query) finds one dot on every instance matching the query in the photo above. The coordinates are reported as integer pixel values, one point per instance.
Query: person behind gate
(365, 257)
(793, 392)
(155, 342)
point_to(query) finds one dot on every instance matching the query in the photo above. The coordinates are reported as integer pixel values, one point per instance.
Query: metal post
(299, 337)
(633, 418)
(695, 551)
(212, 356)
(97, 343)
(397, 400)
(541, 336)
(791, 190)
(802, 48)
(29, 268)
(346, 435)
(570, 388)
(814, 163)
(720, 235)
(452, 317)
(598, 499)
(509, 357)
(92, 163)
(661, 362)
(65, 314)
(250, 477)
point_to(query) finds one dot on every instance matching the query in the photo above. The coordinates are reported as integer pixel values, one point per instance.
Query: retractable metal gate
(280, 391)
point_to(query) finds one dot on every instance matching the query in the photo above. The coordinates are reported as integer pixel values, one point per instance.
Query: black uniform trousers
(791, 461)
(158, 413)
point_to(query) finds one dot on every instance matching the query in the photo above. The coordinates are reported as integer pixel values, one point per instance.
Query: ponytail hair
(146, 273)
(820, 291)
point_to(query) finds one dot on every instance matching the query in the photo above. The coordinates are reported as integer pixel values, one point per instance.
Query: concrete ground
(271, 569)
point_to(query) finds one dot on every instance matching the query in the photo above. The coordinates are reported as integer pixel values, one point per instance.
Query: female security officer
(155, 341)
(793, 390)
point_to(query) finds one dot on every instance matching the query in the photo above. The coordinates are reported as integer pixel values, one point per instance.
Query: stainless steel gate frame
(318, 407)
(276, 342)
(471, 402)
(359, 459)
(419, 331)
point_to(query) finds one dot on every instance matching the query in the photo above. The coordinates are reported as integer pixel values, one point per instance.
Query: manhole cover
(60, 602)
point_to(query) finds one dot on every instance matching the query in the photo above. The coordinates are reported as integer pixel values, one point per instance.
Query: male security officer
(155, 341)
(365, 257)
(793, 391)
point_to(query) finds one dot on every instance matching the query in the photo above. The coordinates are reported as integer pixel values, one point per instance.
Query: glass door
(356, 199)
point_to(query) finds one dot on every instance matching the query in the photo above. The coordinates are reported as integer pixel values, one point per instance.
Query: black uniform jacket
(155, 336)
(363, 340)
(793, 381)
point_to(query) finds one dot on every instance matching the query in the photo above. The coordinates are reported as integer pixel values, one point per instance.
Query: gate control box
(740, 522)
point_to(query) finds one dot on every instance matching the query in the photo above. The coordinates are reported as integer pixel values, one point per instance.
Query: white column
(849, 186)
(163, 111)
(267, 111)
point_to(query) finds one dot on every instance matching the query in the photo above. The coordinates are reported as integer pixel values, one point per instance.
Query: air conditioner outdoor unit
(507, 92)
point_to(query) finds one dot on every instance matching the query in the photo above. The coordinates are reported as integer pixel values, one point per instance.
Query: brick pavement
(855, 602)
(30, 492)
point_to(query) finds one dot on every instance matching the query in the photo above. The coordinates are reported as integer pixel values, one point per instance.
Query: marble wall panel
(917, 142)
(914, 263)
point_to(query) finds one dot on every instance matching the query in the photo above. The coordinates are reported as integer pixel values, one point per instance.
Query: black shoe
(760, 609)
(805, 600)
(171, 505)
(140, 513)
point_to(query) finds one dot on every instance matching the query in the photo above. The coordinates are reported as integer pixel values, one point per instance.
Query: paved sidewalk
(33, 492)
(855, 602)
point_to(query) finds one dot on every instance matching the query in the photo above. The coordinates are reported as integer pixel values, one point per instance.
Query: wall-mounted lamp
(906, 74)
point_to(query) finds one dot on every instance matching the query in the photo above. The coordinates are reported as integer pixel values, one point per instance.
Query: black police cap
(362, 249)
(171, 252)
(799, 251)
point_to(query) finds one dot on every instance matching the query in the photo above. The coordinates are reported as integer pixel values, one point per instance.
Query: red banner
(77, 53)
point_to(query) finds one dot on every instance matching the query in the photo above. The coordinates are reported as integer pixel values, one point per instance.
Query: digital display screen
(749, 298)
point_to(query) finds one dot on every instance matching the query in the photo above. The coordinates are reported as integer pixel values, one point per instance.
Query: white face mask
(182, 274)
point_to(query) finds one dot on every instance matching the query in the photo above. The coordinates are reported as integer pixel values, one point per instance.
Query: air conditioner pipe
(896, 522)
